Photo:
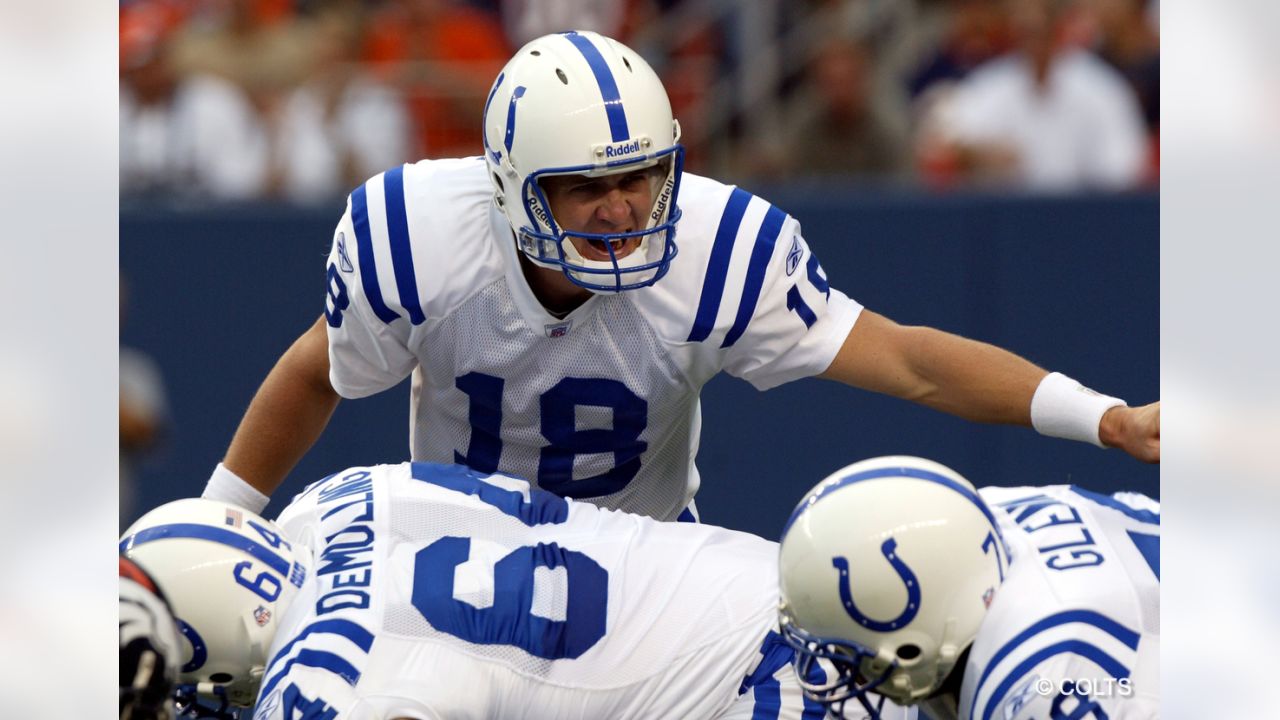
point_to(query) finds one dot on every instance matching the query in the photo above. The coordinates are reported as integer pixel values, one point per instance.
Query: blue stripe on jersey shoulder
(613, 107)
(1085, 617)
(761, 253)
(364, 250)
(352, 631)
(1149, 547)
(401, 250)
(1144, 516)
(718, 265)
(775, 655)
(321, 659)
(1114, 668)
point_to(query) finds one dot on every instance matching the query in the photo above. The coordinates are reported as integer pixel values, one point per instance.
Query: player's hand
(1134, 430)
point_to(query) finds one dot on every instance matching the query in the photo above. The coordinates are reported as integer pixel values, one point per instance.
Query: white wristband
(228, 487)
(1064, 408)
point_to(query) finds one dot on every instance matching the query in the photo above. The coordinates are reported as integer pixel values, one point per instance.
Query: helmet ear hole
(907, 653)
(220, 677)
(563, 78)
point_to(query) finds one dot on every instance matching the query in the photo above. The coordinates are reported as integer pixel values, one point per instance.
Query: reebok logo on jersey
(344, 262)
(793, 255)
(558, 329)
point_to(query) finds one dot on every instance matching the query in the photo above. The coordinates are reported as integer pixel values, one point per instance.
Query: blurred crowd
(301, 100)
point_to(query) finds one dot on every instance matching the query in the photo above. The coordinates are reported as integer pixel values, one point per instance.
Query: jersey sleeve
(368, 322)
(310, 693)
(797, 323)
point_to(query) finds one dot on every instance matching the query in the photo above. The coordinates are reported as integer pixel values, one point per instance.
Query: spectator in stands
(975, 31)
(1045, 117)
(524, 20)
(183, 129)
(443, 55)
(839, 125)
(342, 124)
(148, 159)
(1129, 41)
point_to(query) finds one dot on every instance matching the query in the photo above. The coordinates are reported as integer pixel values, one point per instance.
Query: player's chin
(597, 249)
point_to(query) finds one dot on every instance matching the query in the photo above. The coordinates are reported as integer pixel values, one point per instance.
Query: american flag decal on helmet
(234, 518)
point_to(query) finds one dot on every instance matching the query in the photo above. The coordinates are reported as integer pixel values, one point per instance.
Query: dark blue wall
(1071, 283)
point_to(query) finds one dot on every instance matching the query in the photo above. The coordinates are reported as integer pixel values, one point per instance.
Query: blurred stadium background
(933, 179)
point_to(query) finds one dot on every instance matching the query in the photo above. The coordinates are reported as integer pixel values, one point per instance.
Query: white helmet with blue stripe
(578, 103)
(887, 568)
(229, 576)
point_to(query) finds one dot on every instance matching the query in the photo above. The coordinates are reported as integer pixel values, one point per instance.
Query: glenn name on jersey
(602, 404)
(1074, 631)
(438, 592)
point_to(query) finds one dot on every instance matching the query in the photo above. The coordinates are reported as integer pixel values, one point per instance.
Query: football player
(428, 591)
(1012, 603)
(561, 301)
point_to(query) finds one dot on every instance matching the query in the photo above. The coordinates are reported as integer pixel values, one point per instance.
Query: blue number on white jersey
(510, 620)
(558, 407)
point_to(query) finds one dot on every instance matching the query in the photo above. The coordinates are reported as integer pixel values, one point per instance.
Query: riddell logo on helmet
(626, 148)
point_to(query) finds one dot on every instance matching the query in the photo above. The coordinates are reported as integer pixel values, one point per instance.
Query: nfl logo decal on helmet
(887, 568)
(578, 103)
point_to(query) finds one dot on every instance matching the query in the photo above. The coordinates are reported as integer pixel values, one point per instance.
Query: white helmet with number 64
(229, 575)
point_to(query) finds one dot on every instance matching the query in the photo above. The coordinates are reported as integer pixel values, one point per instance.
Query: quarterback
(561, 301)
(1009, 603)
(430, 591)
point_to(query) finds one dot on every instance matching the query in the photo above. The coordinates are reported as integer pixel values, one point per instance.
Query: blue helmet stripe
(511, 117)
(1084, 617)
(219, 535)
(401, 252)
(766, 238)
(484, 119)
(1114, 668)
(718, 266)
(608, 86)
(916, 473)
(364, 249)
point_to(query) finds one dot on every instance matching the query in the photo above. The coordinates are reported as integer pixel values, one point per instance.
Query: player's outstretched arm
(984, 383)
(285, 418)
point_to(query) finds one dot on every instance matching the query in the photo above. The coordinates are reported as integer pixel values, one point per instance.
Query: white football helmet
(887, 568)
(579, 103)
(229, 576)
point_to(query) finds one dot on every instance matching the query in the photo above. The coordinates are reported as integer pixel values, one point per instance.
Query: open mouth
(599, 249)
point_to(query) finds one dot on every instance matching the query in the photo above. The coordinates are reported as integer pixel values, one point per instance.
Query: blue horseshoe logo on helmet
(904, 572)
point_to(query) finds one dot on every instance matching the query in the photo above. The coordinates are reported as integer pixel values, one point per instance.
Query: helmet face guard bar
(549, 247)
(846, 657)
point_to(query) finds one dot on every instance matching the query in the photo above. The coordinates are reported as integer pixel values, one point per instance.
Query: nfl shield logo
(262, 616)
(558, 330)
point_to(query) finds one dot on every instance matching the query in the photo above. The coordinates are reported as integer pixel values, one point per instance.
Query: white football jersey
(1074, 631)
(600, 405)
(436, 591)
